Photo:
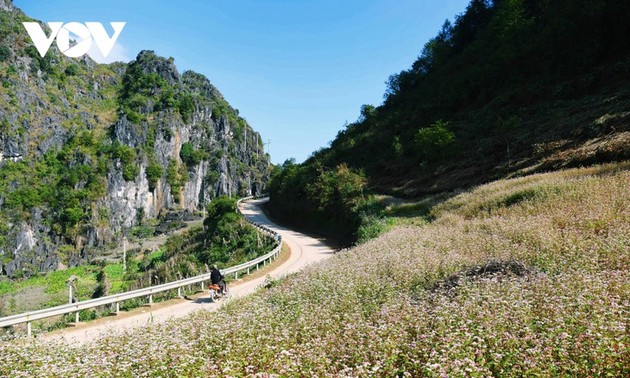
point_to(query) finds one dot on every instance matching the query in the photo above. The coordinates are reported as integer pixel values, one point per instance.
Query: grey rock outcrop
(67, 194)
(234, 169)
(6, 5)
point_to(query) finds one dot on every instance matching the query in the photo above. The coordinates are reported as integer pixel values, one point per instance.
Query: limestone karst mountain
(88, 151)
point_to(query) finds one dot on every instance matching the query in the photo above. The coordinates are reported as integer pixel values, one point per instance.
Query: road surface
(305, 250)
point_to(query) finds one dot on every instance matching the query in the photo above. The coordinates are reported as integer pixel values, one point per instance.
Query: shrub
(142, 231)
(185, 106)
(167, 100)
(5, 53)
(191, 156)
(433, 141)
(130, 171)
(370, 228)
(127, 156)
(72, 215)
(134, 117)
(173, 178)
(153, 172)
(218, 208)
(72, 70)
(212, 177)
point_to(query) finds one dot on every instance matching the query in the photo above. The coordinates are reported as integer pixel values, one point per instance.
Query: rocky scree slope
(88, 151)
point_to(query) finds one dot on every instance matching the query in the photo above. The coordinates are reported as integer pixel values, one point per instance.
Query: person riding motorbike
(218, 279)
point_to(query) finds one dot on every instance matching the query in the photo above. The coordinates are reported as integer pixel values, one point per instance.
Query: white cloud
(117, 54)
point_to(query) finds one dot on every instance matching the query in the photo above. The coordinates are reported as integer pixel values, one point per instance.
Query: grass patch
(54, 282)
(55, 290)
(6, 287)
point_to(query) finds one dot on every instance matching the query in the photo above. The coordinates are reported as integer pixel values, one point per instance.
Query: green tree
(176, 176)
(72, 215)
(218, 208)
(397, 146)
(130, 171)
(104, 286)
(153, 172)
(191, 156)
(337, 190)
(5, 53)
(186, 106)
(433, 141)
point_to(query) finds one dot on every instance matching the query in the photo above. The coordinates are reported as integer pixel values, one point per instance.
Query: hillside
(507, 89)
(521, 277)
(90, 153)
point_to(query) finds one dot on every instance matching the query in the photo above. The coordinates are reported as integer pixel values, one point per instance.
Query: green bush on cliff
(190, 155)
(153, 172)
(5, 53)
(127, 156)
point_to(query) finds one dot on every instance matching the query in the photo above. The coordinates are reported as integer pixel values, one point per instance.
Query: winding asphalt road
(305, 250)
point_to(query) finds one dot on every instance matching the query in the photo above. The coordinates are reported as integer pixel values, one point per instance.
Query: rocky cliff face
(89, 151)
(229, 166)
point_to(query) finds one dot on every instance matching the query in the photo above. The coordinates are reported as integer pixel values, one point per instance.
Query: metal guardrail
(31, 316)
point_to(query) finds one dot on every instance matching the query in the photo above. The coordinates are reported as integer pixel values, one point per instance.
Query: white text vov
(88, 32)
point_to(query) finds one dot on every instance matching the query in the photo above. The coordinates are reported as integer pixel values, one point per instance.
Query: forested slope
(507, 88)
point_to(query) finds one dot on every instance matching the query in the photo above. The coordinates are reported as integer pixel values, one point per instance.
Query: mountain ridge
(89, 151)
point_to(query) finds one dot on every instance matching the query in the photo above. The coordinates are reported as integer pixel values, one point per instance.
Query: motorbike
(215, 291)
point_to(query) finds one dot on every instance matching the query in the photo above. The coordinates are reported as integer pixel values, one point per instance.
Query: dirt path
(305, 250)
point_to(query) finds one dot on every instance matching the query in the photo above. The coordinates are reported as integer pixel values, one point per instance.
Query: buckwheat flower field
(521, 277)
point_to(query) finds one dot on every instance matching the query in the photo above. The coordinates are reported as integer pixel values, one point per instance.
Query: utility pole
(72, 288)
(124, 254)
(268, 151)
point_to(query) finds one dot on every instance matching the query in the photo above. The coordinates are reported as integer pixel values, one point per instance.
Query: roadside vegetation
(224, 239)
(519, 277)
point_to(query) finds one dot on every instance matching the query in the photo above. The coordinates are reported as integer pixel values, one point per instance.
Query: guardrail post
(247, 270)
(236, 275)
(179, 292)
(76, 317)
(150, 299)
(28, 329)
(117, 308)
(201, 285)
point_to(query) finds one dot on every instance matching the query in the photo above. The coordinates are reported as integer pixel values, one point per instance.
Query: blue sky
(297, 70)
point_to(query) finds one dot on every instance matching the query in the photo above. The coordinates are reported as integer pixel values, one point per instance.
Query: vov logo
(88, 32)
